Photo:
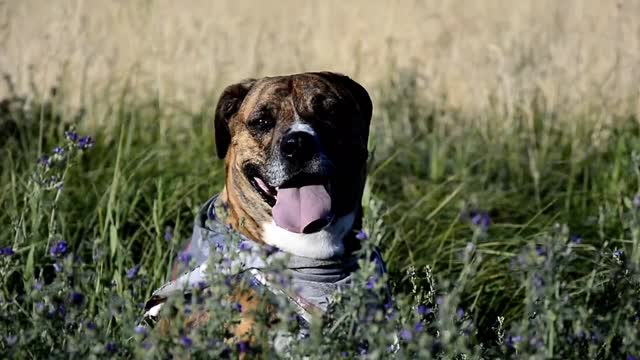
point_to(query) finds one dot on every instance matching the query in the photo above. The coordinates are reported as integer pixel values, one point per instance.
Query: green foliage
(513, 237)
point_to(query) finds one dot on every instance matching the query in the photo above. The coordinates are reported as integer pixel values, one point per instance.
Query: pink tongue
(306, 208)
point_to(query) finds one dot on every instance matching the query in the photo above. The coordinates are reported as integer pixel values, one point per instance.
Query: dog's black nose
(298, 146)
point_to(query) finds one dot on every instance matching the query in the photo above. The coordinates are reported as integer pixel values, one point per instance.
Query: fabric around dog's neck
(315, 280)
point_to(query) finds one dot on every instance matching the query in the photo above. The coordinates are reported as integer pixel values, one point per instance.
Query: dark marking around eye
(324, 106)
(261, 124)
(262, 120)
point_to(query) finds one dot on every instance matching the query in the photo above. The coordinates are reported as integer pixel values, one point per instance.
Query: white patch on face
(275, 171)
(324, 244)
(298, 126)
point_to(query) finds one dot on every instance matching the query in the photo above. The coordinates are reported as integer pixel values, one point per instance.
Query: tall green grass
(557, 261)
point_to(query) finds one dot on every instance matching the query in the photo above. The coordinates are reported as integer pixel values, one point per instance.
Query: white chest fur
(324, 244)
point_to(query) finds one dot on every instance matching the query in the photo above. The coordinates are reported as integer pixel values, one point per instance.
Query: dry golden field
(578, 55)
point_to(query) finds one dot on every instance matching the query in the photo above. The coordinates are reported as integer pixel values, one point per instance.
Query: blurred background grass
(573, 55)
(526, 110)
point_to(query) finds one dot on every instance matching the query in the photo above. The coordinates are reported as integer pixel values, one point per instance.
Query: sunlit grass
(483, 206)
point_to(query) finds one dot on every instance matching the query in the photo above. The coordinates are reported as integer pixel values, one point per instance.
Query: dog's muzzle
(303, 204)
(298, 147)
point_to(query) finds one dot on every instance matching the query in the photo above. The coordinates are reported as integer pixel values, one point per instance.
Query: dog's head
(295, 150)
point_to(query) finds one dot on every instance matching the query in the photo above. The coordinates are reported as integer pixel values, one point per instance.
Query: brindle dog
(295, 151)
(291, 132)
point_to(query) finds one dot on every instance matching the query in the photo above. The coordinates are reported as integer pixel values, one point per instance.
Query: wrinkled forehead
(283, 94)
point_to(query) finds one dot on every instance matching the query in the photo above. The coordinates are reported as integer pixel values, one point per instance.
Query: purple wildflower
(111, 348)
(76, 298)
(39, 306)
(254, 283)
(58, 249)
(237, 307)
(459, 313)
(636, 201)
(363, 348)
(71, 135)
(481, 220)
(58, 150)
(243, 347)
(282, 280)
(44, 161)
(618, 253)
(133, 272)
(185, 257)
(513, 340)
(575, 239)
(11, 339)
(91, 326)
(540, 250)
(631, 357)
(85, 142)
(423, 309)
(419, 327)
(372, 282)
(140, 330)
(186, 341)
(361, 235)
(220, 245)
(7, 251)
(293, 318)
(406, 335)
(244, 246)
(168, 233)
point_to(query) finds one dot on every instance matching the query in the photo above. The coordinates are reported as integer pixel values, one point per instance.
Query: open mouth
(301, 204)
(267, 192)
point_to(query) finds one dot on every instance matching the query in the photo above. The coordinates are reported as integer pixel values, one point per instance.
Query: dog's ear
(360, 95)
(228, 105)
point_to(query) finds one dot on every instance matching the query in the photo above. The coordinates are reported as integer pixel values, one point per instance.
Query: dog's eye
(325, 106)
(261, 124)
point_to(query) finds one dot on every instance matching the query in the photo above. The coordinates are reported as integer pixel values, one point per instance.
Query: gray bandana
(311, 282)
